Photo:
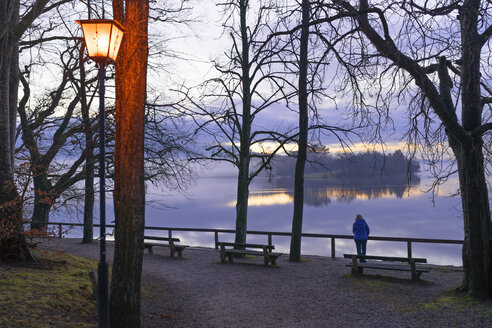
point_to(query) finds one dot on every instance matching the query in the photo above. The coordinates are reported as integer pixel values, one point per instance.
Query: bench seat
(174, 248)
(387, 263)
(228, 253)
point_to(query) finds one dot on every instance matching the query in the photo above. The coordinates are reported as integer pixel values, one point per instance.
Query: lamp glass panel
(116, 38)
(96, 37)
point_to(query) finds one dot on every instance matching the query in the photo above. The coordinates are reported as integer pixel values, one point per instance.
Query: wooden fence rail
(270, 235)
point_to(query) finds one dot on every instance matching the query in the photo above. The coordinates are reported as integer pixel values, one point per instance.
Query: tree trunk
(129, 193)
(89, 194)
(477, 280)
(13, 245)
(88, 235)
(476, 217)
(43, 199)
(41, 213)
(13, 97)
(295, 242)
(244, 156)
(242, 201)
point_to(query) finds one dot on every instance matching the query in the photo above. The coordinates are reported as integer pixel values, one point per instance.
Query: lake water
(390, 210)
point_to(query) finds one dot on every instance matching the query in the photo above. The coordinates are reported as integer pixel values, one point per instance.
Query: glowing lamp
(102, 38)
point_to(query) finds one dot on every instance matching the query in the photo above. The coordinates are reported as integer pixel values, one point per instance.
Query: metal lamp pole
(102, 269)
(102, 39)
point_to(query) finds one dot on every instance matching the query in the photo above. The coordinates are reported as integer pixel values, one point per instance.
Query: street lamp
(102, 38)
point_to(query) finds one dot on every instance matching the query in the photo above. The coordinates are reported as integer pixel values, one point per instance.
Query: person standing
(361, 234)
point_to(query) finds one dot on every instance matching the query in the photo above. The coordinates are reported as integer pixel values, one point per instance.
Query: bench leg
(274, 261)
(416, 276)
(413, 269)
(172, 251)
(180, 253)
(150, 249)
(356, 271)
(230, 255)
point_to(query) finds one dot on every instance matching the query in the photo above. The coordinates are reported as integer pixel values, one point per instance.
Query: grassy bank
(54, 292)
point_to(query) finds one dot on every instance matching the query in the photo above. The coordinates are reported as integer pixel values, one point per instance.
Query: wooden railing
(270, 235)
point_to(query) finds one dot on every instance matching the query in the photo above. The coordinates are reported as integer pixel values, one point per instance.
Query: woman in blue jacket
(361, 234)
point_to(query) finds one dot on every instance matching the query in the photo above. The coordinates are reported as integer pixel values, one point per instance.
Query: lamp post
(102, 38)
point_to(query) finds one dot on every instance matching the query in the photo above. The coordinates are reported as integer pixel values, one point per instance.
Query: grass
(458, 303)
(398, 293)
(54, 292)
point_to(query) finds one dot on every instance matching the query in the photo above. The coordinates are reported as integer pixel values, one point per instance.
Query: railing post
(60, 232)
(216, 239)
(170, 233)
(270, 239)
(333, 247)
(409, 249)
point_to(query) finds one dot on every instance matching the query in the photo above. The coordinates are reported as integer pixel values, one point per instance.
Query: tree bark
(43, 199)
(242, 201)
(129, 194)
(244, 155)
(295, 242)
(13, 97)
(41, 214)
(13, 245)
(477, 280)
(476, 217)
(41, 209)
(88, 235)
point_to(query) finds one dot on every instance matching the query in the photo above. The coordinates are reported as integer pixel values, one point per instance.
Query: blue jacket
(360, 229)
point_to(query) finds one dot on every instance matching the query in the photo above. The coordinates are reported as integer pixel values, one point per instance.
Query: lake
(391, 211)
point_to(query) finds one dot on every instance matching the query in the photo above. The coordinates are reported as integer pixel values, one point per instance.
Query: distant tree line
(370, 164)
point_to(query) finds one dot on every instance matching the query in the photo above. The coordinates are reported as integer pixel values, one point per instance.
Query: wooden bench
(171, 243)
(247, 249)
(387, 263)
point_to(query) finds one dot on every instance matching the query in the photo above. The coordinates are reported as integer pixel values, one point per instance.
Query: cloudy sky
(204, 40)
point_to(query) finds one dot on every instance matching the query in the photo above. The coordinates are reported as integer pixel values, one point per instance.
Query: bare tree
(437, 65)
(46, 134)
(249, 82)
(12, 242)
(305, 57)
(165, 164)
(295, 243)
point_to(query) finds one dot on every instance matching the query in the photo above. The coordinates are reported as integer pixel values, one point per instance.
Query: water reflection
(322, 192)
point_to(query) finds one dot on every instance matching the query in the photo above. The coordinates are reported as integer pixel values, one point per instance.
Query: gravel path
(199, 291)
